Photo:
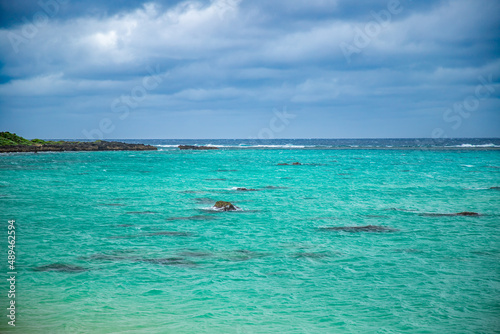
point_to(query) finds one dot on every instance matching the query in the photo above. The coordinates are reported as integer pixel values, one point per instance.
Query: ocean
(362, 237)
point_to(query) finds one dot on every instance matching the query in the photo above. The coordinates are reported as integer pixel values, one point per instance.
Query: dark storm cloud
(13, 12)
(341, 66)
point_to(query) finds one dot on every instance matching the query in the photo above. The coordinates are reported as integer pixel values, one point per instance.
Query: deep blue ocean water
(127, 242)
(326, 143)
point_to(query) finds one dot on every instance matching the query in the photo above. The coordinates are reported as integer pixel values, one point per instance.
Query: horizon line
(263, 139)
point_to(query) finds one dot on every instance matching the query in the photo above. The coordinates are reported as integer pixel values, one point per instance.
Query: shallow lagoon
(155, 258)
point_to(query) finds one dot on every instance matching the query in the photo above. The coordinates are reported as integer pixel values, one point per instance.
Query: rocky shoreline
(77, 146)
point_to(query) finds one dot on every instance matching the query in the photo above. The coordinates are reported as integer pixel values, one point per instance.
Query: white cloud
(234, 55)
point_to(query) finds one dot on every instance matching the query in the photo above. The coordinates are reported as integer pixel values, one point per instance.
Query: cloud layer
(218, 69)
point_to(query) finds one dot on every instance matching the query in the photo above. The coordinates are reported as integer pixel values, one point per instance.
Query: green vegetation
(9, 139)
(10, 142)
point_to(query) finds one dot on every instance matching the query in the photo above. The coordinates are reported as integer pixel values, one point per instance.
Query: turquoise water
(144, 253)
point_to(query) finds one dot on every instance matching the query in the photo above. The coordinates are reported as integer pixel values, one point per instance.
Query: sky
(250, 69)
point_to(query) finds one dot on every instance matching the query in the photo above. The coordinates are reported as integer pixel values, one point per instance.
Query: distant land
(10, 142)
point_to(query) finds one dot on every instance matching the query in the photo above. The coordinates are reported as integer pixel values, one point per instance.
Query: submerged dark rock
(192, 147)
(245, 255)
(465, 213)
(375, 216)
(136, 258)
(292, 164)
(141, 212)
(170, 261)
(67, 268)
(367, 228)
(225, 206)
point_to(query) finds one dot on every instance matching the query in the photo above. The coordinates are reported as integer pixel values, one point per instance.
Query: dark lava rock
(67, 268)
(192, 147)
(467, 213)
(367, 228)
(141, 212)
(225, 206)
(292, 164)
(245, 189)
(168, 260)
(78, 146)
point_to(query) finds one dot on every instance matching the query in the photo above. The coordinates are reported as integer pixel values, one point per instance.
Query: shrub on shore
(10, 139)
